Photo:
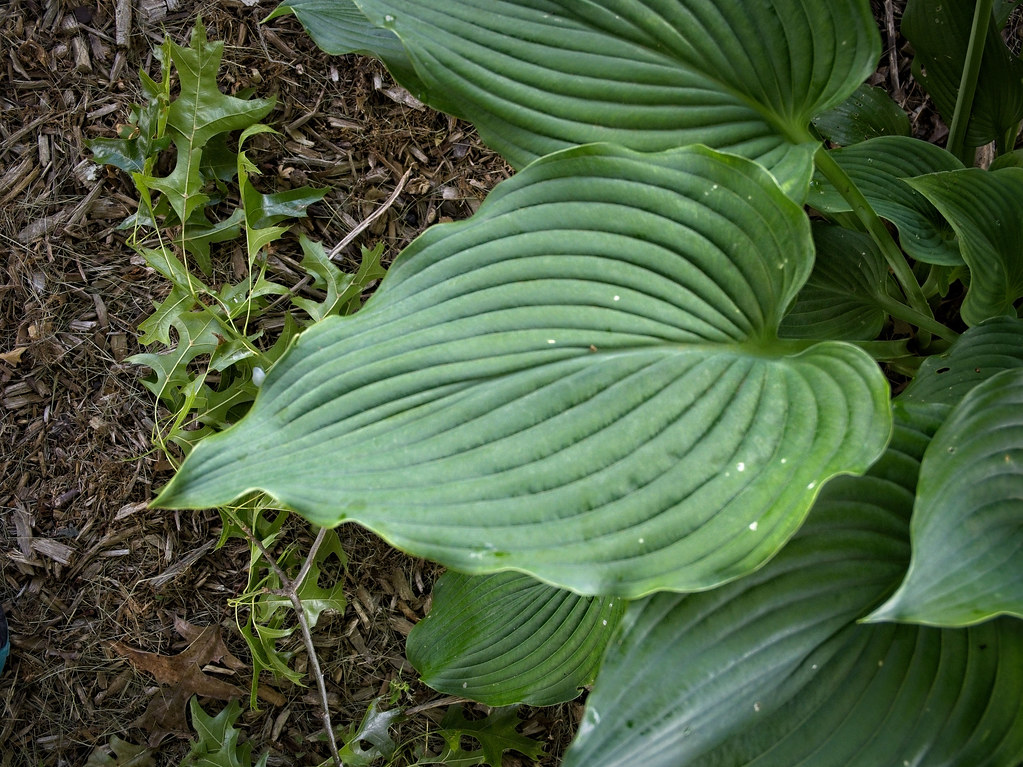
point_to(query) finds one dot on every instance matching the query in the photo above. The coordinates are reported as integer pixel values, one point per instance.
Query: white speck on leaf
(753, 526)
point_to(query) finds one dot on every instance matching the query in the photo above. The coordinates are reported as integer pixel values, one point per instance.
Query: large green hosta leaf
(983, 208)
(506, 638)
(773, 670)
(539, 75)
(879, 167)
(582, 382)
(968, 524)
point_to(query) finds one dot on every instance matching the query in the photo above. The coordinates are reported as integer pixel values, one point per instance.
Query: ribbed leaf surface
(983, 208)
(774, 671)
(582, 382)
(840, 300)
(978, 354)
(507, 638)
(539, 75)
(868, 113)
(880, 167)
(967, 529)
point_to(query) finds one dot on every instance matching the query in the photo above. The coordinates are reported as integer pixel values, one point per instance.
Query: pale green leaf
(880, 169)
(984, 209)
(774, 670)
(506, 638)
(535, 76)
(968, 524)
(582, 382)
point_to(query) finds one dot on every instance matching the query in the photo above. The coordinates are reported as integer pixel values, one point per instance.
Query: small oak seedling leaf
(218, 740)
(344, 291)
(202, 110)
(374, 729)
(496, 734)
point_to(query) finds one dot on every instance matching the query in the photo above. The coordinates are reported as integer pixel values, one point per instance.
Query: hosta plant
(641, 403)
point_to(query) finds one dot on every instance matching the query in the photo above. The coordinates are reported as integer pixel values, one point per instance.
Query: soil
(88, 573)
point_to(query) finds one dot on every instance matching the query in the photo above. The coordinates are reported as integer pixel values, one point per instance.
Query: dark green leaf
(940, 33)
(841, 298)
(773, 670)
(968, 524)
(506, 638)
(984, 209)
(582, 382)
(879, 168)
(496, 734)
(868, 113)
(979, 353)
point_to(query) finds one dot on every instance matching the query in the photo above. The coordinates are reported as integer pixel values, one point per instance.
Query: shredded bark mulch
(86, 568)
(88, 573)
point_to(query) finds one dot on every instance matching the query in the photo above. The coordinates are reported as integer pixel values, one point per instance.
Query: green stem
(968, 83)
(886, 350)
(878, 232)
(926, 322)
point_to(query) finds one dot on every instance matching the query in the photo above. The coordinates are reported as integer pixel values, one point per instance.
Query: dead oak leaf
(184, 675)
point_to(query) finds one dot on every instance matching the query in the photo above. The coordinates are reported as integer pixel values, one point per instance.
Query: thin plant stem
(289, 588)
(878, 232)
(968, 83)
(925, 322)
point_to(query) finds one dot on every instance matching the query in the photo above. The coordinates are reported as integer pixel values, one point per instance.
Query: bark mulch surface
(87, 571)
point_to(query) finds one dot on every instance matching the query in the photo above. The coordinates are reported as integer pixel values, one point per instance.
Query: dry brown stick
(893, 58)
(337, 249)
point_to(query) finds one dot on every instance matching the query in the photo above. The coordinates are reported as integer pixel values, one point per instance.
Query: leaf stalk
(968, 83)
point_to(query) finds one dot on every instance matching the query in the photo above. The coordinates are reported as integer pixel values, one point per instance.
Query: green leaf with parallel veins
(983, 208)
(881, 169)
(978, 354)
(843, 297)
(535, 76)
(507, 638)
(968, 524)
(774, 670)
(582, 382)
(940, 34)
(868, 113)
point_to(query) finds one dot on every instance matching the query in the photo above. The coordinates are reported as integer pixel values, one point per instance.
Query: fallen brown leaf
(184, 674)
